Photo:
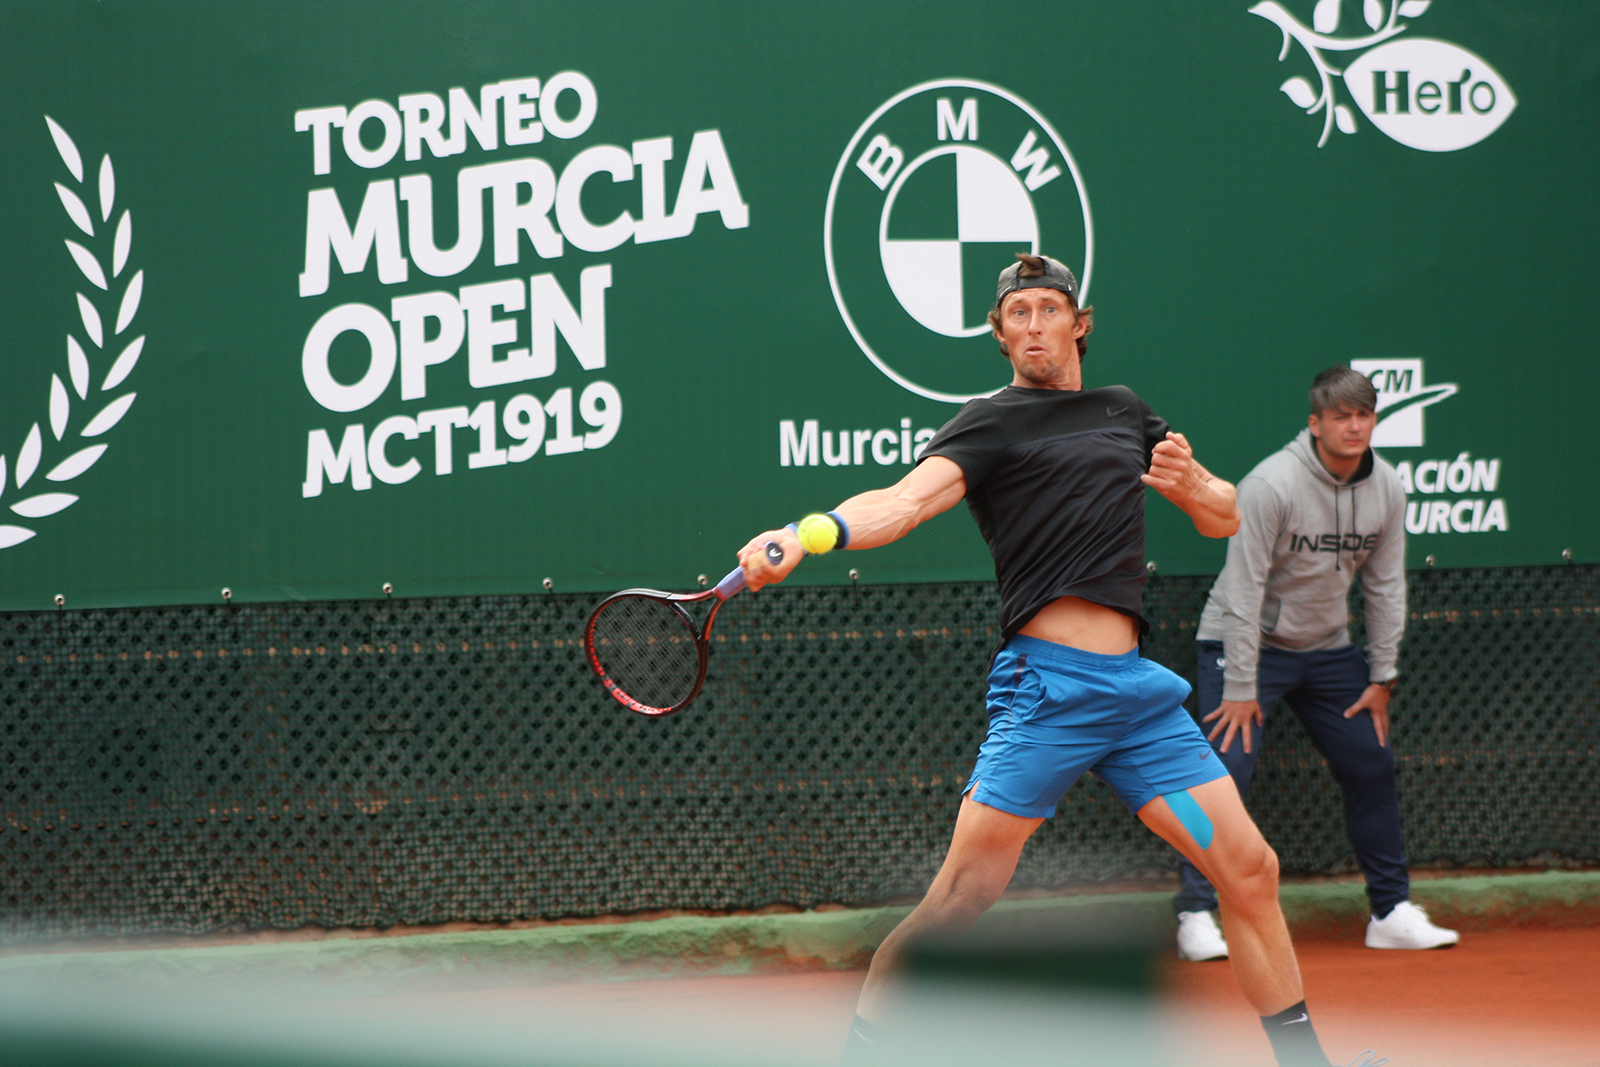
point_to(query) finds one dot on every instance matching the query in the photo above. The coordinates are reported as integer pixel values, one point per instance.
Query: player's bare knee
(1250, 878)
(1262, 885)
(1267, 869)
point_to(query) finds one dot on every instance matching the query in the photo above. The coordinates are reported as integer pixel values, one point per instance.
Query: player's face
(1344, 433)
(1040, 330)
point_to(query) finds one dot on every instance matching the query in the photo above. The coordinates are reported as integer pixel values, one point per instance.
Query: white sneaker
(1407, 926)
(1199, 938)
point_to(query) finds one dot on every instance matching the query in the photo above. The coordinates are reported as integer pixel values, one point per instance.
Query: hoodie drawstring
(1338, 531)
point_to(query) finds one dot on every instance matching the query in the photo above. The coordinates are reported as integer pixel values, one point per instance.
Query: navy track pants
(1318, 686)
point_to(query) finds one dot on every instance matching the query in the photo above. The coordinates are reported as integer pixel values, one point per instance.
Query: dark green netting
(372, 763)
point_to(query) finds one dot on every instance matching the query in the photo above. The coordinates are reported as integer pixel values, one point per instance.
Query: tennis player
(1054, 474)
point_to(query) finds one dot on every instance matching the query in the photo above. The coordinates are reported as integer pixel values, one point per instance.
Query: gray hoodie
(1303, 538)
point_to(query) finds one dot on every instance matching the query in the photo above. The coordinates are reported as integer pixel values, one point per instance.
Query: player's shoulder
(984, 408)
(981, 414)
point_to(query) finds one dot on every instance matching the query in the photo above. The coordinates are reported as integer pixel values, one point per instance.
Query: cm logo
(932, 197)
(1401, 399)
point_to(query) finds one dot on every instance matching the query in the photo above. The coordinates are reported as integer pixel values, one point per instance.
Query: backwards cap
(1055, 276)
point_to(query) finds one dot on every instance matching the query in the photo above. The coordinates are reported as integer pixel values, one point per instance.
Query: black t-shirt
(1053, 482)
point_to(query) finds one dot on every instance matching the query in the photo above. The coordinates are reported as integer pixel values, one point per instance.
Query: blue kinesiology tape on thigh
(1192, 816)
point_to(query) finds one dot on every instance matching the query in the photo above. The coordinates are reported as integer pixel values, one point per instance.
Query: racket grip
(735, 579)
(732, 583)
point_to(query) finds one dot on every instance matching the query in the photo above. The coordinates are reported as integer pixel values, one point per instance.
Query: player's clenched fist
(1178, 476)
(1173, 471)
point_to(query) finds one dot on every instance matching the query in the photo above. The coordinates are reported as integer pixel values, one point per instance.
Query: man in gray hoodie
(1314, 515)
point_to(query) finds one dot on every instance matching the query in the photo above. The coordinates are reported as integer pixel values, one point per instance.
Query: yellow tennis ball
(818, 534)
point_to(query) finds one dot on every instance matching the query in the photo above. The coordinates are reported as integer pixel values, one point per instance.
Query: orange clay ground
(1514, 997)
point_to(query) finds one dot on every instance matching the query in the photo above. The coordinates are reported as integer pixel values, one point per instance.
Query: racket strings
(647, 648)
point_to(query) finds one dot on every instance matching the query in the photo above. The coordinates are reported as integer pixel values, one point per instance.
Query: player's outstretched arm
(1210, 502)
(875, 518)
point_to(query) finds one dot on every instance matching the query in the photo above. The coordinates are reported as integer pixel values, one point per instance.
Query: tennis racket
(646, 649)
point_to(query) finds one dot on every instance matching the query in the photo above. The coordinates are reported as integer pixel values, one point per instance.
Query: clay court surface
(1523, 987)
(1521, 996)
(1527, 996)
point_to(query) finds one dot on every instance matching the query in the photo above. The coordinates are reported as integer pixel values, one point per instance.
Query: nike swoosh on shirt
(1112, 413)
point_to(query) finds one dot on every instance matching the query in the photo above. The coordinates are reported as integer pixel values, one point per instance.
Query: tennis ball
(818, 534)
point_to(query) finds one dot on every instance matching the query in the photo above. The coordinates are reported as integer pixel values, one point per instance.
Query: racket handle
(735, 579)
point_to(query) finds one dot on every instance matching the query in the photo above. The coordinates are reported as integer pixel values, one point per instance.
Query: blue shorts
(1056, 712)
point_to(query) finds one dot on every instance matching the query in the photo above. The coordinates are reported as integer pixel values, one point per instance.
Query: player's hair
(1339, 387)
(1033, 267)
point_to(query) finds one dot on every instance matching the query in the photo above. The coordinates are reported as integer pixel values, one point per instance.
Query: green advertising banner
(317, 301)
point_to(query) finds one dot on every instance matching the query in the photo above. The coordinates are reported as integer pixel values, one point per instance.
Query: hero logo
(933, 195)
(1427, 94)
(1401, 400)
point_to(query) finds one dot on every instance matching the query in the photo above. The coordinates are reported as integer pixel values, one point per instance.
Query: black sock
(1294, 1041)
(865, 1045)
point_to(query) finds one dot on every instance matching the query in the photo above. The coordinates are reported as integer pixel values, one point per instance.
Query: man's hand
(1236, 715)
(1376, 700)
(758, 569)
(1210, 502)
(1173, 472)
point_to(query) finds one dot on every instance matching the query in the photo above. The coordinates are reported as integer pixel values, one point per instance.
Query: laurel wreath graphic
(1382, 19)
(36, 450)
